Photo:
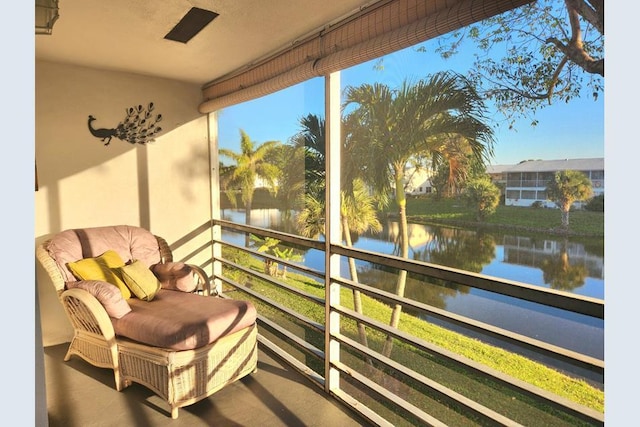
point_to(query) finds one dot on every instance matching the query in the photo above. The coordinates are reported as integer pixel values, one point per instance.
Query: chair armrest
(183, 277)
(86, 313)
(204, 284)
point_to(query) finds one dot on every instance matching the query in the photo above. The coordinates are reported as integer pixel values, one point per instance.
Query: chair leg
(69, 350)
(174, 412)
(121, 383)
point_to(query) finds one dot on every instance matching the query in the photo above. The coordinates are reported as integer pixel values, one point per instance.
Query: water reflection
(565, 264)
(561, 263)
(419, 288)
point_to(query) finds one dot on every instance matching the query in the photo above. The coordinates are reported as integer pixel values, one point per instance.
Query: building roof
(493, 169)
(551, 165)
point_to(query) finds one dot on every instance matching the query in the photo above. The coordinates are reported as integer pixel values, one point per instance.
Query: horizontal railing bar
(315, 378)
(554, 400)
(387, 395)
(204, 227)
(315, 325)
(593, 307)
(442, 391)
(300, 267)
(202, 248)
(558, 353)
(285, 237)
(317, 300)
(360, 407)
(302, 344)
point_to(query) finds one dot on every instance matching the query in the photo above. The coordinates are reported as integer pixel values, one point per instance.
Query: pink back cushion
(129, 242)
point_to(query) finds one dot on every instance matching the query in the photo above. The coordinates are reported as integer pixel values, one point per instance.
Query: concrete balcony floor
(82, 395)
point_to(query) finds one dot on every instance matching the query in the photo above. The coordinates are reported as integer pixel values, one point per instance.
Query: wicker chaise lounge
(176, 339)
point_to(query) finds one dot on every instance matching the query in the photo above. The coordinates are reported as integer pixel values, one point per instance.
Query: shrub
(537, 204)
(596, 204)
(482, 195)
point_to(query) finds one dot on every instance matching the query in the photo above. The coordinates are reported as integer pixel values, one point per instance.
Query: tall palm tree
(357, 210)
(249, 166)
(417, 120)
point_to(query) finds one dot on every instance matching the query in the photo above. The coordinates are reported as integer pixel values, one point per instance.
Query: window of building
(513, 194)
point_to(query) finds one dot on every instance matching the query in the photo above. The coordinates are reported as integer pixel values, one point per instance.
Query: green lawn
(428, 209)
(455, 212)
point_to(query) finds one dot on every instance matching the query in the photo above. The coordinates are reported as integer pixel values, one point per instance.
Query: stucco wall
(163, 186)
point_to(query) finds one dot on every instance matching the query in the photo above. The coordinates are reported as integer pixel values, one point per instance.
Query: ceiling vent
(190, 25)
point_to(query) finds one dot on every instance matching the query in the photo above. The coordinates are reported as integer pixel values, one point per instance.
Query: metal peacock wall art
(138, 126)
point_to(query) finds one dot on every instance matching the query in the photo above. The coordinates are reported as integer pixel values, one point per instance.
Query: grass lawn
(455, 212)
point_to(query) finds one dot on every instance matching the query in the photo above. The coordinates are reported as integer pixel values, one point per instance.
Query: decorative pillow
(107, 294)
(176, 276)
(101, 268)
(140, 280)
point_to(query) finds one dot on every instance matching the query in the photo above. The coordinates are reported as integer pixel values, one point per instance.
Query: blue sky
(565, 130)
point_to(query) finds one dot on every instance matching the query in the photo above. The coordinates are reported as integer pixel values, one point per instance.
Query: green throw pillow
(140, 280)
(101, 268)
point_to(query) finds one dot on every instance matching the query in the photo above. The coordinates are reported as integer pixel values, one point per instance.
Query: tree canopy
(249, 166)
(567, 187)
(550, 51)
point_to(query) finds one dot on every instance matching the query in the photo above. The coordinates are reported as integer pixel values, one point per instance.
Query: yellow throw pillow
(101, 268)
(140, 280)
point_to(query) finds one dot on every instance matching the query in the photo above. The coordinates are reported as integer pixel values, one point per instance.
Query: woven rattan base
(188, 376)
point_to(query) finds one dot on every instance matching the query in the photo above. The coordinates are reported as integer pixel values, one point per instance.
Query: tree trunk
(565, 215)
(247, 221)
(404, 253)
(357, 299)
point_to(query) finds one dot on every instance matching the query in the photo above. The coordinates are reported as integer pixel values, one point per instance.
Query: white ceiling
(128, 35)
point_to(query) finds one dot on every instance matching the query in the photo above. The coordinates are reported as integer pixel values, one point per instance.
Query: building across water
(525, 183)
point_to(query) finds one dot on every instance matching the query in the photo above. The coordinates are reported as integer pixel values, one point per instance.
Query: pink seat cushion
(183, 321)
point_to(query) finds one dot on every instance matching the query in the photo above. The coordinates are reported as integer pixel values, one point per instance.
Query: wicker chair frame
(181, 378)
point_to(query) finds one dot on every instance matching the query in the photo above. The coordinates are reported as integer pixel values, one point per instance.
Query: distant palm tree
(289, 159)
(249, 165)
(392, 127)
(456, 159)
(567, 187)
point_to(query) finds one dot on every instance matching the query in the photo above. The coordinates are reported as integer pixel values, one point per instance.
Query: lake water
(572, 265)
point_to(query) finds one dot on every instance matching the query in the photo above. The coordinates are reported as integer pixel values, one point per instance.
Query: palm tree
(454, 164)
(483, 195)
(357, 210)
(250, 165)
(417, 120)
(567, 187)
(290, 161)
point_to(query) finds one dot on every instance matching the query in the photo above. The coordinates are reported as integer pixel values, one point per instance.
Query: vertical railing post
(216, 230)
(332, 221)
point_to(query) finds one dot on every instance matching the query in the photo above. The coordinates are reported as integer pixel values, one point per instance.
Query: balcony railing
(400, 375)
(542, 183)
